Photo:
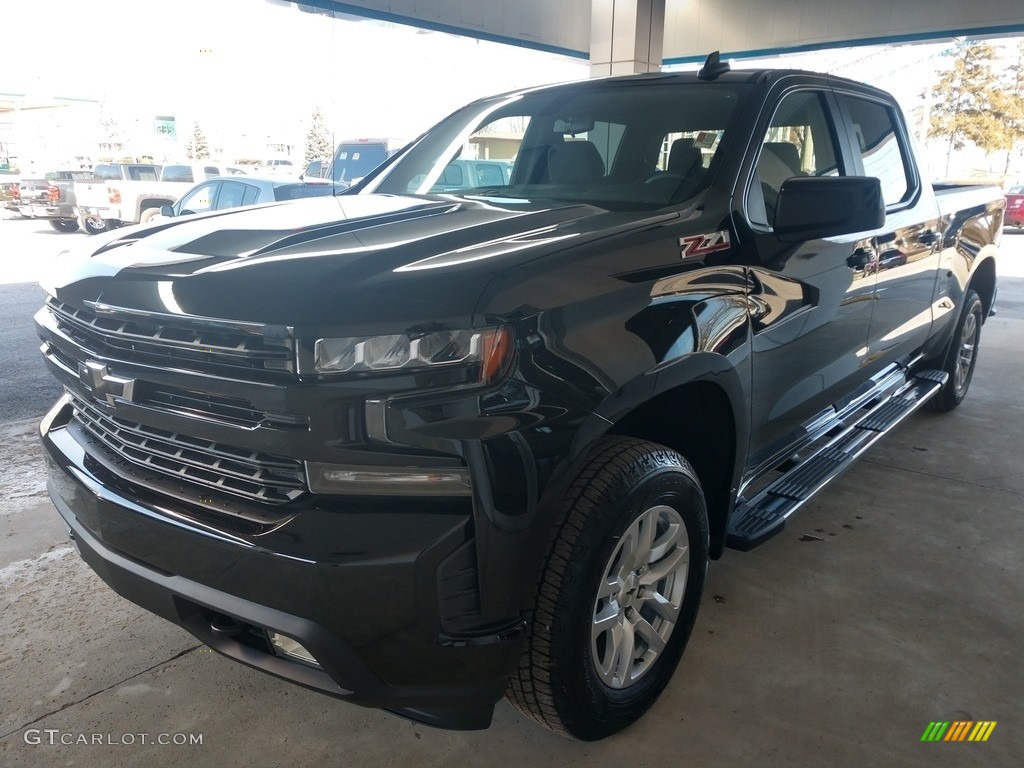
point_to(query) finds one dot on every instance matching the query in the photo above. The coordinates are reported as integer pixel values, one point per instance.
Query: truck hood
(384, 262)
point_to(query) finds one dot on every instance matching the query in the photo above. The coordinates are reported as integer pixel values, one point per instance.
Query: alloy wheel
(640, 596)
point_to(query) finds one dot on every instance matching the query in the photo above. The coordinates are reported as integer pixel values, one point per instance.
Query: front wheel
(148, 215)
(619, 592)
(64, 225)
(961, 357)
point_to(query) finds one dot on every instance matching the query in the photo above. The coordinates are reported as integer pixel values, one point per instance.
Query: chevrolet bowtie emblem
(103, 384)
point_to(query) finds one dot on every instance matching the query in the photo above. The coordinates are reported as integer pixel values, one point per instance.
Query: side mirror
(167, 210)
(812, 207)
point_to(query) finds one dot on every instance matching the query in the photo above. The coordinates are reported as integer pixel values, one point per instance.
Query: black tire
(560, 682)
(111, 224)
(964, 343)
(93, 226)
(64, 225)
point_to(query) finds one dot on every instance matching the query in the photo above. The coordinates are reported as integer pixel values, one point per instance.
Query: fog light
(291, 649)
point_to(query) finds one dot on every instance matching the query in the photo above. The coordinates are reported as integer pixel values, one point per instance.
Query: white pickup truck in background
(93, 200)
(133, 194)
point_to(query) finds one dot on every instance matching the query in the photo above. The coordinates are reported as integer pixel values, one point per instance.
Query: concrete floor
(837, 651)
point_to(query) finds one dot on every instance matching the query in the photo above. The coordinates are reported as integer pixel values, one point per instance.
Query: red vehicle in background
(10, 195)
(1014, 207)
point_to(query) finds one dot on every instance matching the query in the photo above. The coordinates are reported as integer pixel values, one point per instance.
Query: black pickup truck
(419, 450)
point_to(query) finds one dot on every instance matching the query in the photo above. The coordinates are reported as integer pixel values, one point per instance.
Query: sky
(259, 68)
(250, 71)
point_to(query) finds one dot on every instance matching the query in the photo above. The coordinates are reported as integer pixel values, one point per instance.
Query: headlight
(489, 350)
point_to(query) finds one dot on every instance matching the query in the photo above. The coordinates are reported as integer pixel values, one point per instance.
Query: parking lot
(890, 601)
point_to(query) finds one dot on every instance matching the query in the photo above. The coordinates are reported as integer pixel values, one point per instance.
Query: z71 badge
(696, 247)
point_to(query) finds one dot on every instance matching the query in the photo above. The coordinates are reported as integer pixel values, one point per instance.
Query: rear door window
(232, 195)
(142, 173)
(178, 173)
(251, 195)
(881, 150)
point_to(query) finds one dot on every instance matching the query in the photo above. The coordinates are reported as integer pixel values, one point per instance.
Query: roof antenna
(713, 67)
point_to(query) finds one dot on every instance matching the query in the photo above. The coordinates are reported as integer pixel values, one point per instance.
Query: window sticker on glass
(705, 139)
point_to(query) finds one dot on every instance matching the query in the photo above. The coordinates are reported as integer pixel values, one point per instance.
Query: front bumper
(360, 588)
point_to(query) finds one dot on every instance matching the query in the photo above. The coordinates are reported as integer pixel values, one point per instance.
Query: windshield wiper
(497, 192)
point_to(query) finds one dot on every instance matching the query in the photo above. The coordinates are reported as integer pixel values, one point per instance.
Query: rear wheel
(961, 356)
(64, 225)
(93, 226)
(619, 593)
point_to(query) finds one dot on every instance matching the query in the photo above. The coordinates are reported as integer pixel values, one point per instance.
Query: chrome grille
(156, 341)
(200, 405)
(237, 471)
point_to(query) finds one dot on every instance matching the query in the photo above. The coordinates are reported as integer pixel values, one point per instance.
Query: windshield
(625, 145)
(353, 161)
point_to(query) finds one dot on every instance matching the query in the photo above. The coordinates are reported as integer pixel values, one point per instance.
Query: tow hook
(225, 626)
